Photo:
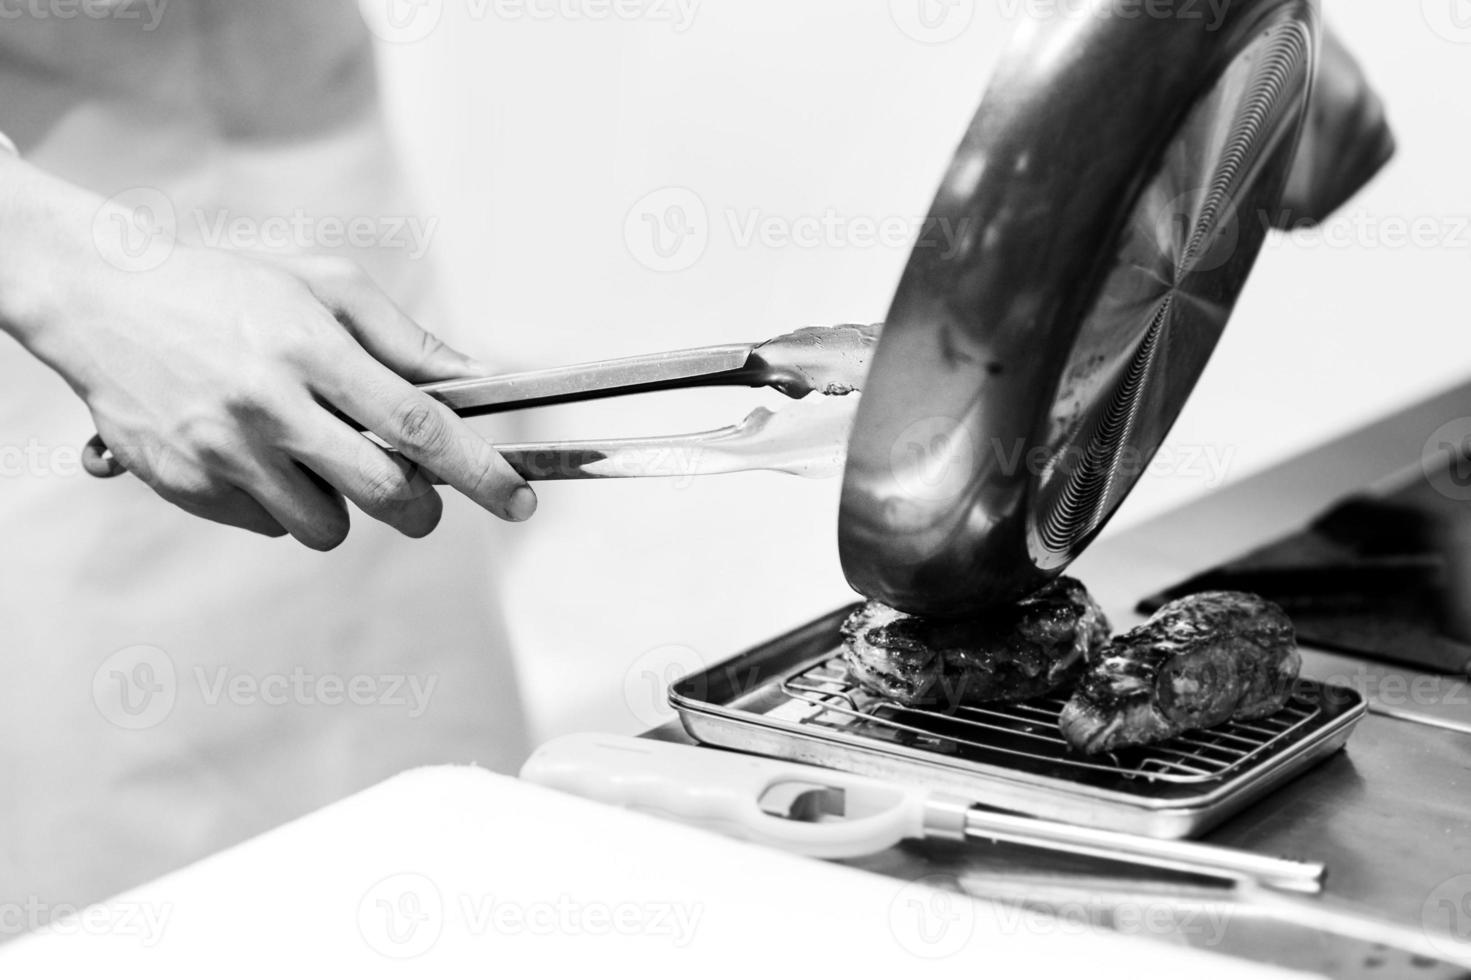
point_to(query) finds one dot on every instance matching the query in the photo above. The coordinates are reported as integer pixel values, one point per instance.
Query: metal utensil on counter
(831, 814)
(828, 361)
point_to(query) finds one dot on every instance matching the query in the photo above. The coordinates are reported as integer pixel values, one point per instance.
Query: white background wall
(531, 139)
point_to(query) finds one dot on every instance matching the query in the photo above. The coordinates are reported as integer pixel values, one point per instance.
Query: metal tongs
(809, 441)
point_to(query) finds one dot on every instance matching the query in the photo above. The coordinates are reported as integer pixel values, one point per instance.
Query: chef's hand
(214, 377)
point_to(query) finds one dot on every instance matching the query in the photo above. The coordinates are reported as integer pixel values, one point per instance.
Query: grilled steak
(1032, 648)
(1198, 662)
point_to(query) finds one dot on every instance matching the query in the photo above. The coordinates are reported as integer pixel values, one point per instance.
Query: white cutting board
(459, 873)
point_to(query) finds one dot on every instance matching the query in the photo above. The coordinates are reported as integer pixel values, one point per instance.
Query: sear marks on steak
(1198, 662)
(1032, 648)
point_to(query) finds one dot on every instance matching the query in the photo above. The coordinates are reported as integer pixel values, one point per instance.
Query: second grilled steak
(1198, 662)
(1035, 647)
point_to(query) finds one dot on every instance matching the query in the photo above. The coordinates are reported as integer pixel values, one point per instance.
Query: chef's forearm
(51, 256)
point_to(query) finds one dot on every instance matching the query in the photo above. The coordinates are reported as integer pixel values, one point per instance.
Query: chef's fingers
(233, 508)
(384, 486)
(384, 330)
(426, 432)
(183, 481)
(311, 512)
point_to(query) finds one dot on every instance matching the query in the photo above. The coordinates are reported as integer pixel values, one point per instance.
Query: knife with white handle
(830, 814)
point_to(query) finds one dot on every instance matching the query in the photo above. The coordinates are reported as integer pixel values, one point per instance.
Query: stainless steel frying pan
(1109, 201)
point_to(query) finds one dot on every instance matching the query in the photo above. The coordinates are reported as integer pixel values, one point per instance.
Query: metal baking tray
(790, 698)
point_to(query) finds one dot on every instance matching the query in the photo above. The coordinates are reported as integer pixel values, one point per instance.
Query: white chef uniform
(172, 686)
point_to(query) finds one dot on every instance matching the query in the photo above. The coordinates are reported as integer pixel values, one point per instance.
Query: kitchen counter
(458, 872)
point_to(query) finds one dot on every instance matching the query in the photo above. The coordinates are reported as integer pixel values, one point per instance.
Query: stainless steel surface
(1105, 200)
(802, 439)
(1165, 855)
(824, 360)
(650, 372)
(790, 700)
(1028, 731)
